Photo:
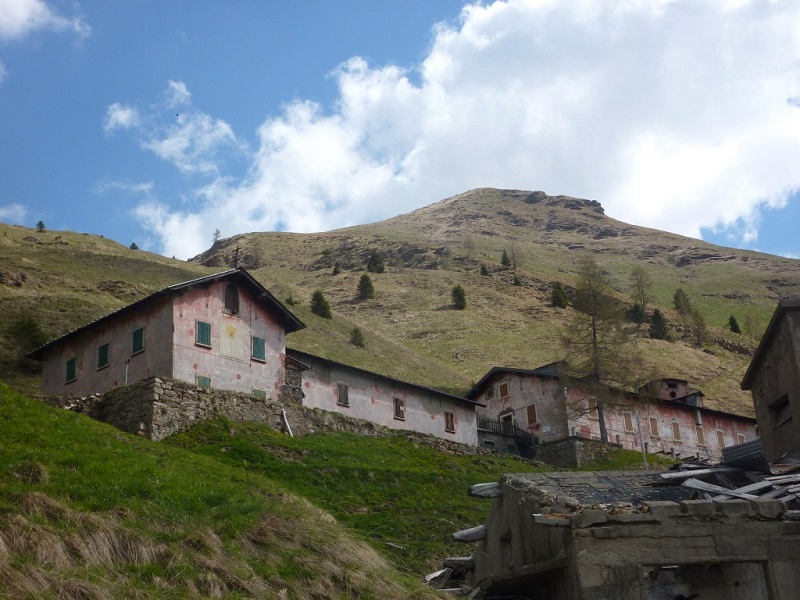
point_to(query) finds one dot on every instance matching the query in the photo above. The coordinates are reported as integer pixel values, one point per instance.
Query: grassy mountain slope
(222, 511)
(66, 279)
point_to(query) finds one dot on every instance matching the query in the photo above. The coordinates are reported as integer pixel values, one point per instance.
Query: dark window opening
(342, 395)
(72, 370)
(138, 341)
(231, 299)
(399, 409)
(449, 422)
(102, 356)
(780, 412)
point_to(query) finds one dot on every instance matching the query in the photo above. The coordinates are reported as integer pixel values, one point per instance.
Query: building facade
(538, 402)
(773, 378)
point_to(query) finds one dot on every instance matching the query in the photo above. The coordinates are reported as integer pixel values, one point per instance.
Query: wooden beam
(486, 490)
(473, 534)
(552, 520)
(717, 489)
(679, 475)
(459, 562)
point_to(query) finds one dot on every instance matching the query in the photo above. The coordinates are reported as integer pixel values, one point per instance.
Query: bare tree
(642, 285)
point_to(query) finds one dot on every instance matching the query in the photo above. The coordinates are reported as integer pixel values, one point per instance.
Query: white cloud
(177, 94)
(144, 188)
(13, 213)
(674, 114)
(119, 116)
(19, 18)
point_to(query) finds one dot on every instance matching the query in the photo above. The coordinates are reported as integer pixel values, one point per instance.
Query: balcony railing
(507, 429)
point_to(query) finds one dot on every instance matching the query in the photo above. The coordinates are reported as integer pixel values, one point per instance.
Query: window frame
(593, 412)
(721, 439)
(780, 411)
(701, 435)
(100, 353)
(676, 429)
(253, 355)
(342, 395)
(528, 408)
(71, 365)
(230, 299)
(140, 349)
(741, 438)
(655, 431)
(500, 390)
(200, 383)
(627, 421)
(399, 409)
(201, 327)
(449, 421)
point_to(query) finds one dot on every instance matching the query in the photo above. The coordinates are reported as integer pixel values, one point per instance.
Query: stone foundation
(573, 452)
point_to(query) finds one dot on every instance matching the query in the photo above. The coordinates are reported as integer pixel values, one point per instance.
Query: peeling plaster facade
(536, 401)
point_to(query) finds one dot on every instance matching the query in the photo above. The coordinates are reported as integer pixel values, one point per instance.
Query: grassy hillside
(66, 279)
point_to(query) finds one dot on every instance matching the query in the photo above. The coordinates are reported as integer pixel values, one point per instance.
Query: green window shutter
(138, 340)
(260, 394)
(102, 356)
(204, 382)
(72, 369)
(259, 348)
(203, 332)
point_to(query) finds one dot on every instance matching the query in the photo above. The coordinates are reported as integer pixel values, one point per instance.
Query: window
(701, 436)
(102, 356)
(593, 414)
(399, 409)
(203, 334)
(503, 390)
(231, 299)
(740, 438)
(627, 419)
(720, 438)
(780, 411)
(72, 370)
(654, 427)
(204, 382)
(259, 349)
(260, 394)
(676, 431)
(342, 398)
(449, 422)
(489, 444)
(138, 341)
(533, 419)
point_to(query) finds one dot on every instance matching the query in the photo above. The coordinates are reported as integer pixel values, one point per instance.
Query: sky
(161, 123)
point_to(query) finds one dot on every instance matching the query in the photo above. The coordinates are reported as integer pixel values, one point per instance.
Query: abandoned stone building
(227, 332)
(667, 416)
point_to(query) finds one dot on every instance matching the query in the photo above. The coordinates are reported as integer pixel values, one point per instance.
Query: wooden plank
(473, 534)
(459, 562)
(552, 520)
(679, 475)
(753, 487)
(717, 489)
(773, 493)
(486, 490)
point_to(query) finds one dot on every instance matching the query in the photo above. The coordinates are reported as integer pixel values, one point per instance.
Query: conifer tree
(558, 297)
(505, 260)
(459, 297)
(734, 325)
(484, 270)
(320, 305)
(357, 337)
(658, 326)
(365, 288)
(375, 263)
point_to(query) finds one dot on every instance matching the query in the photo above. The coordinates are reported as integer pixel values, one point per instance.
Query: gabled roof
(783, 306)
(548, 370)
(304, 357)
(289, 322)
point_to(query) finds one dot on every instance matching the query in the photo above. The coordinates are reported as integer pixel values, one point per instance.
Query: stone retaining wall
(573, 452)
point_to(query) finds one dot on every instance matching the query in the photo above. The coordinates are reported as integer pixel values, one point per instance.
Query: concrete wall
(371, 397)
(156, 359)
(228, 361)
(779, 376)
(542, 545)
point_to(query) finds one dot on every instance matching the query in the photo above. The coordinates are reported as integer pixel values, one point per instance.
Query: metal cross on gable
(236, 257)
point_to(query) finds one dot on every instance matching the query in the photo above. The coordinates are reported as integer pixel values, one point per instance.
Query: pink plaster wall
(228, 361)
(562, 414)
(372, 399)
(156, 359)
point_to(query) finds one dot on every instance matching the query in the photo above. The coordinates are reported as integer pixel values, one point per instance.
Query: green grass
(628, 460)
(87, 507)
(404, 499)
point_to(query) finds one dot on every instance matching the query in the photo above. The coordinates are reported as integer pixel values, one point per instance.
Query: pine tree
(734, 325)
(505, 260)
(375, 263)
(133, 246)
(357, 337)
(558, 298)
(683, 306)
(459, 297)
(484, 270)
(40, 226)
(517, 281)
(658, 326)
(320, 305)
(365, 289)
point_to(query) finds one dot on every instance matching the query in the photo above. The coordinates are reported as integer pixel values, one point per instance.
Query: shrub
(290, 301)
(320, 305)
(375, 262)
(133, 246)
(636, 314)
(517, 280)
(484, 270)
(357, 337)
(459, 298)
(365, 289)
(337, 268)
(734, 325)
(26, 333)
(504, 260)
(558, 297)
(40, 226)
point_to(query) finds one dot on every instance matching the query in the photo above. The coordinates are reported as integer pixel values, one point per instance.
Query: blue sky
(160, 122)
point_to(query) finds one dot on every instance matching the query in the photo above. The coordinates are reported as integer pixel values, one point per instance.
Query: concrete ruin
(542, 542)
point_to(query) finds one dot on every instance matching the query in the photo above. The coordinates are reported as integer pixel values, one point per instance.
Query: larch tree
(641, 285)
(599, 352)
